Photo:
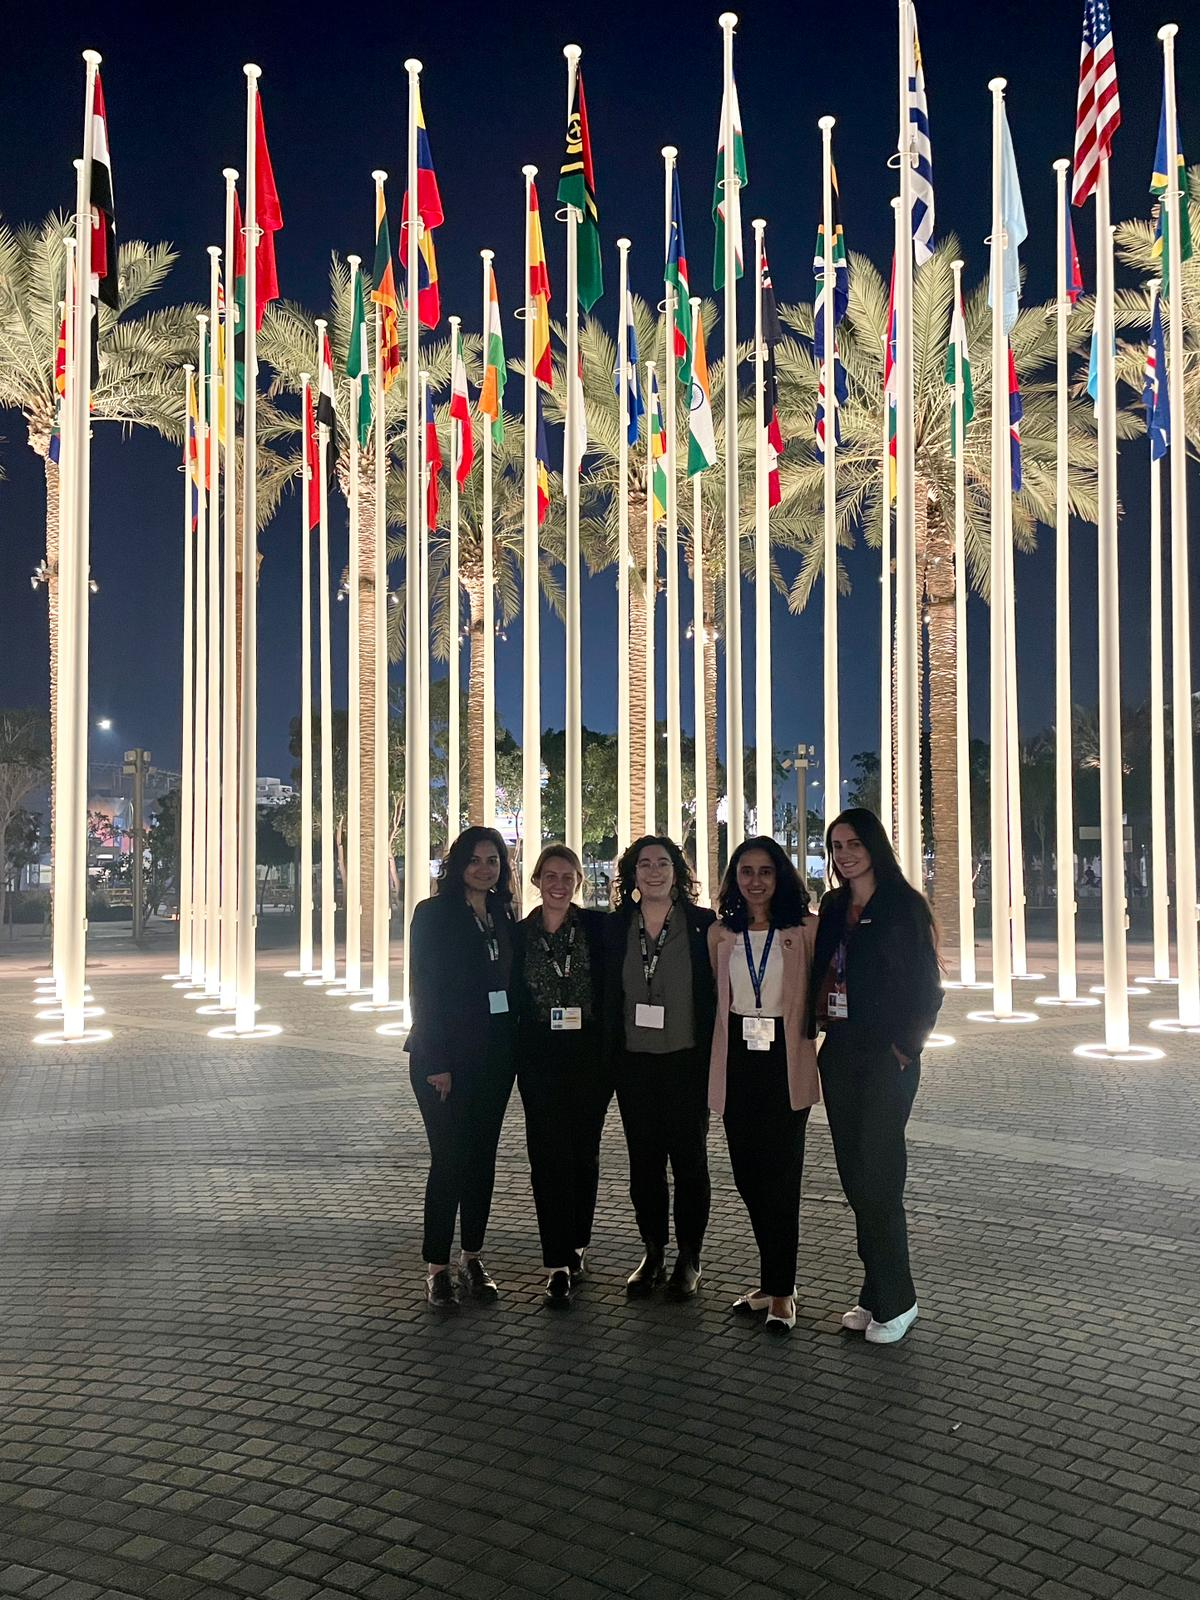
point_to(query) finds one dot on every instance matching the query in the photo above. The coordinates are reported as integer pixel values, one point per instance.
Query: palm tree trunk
(943, 720)
(366, 696)
(710, 723)
(637, 675)
(472, 580)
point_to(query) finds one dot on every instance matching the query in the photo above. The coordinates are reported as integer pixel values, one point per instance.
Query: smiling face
(557, 883)
(850, 854)
(756, 881)
(654, 874)
(483, 870)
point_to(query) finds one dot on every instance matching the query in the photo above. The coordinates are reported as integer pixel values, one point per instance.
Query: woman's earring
(636, 896)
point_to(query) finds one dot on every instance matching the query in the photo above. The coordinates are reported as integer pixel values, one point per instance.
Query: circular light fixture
(1133, 1052)
(1161, 982)
(88, 1036)
(955, 983)
(1133, 988)
(1008, 1016)
(54, 1013)
(1077, 1001)
(377, 1005)
(940, 1041)
(1173, 1025)
(393, 1030)
(260, 1030)
(1029, 977)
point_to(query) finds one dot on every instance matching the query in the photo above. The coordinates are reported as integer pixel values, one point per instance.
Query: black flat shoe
(647, 1276)
(685, 1279)
(557, 1296)
(579, 1264)
(476, 1280)
(440, 1292)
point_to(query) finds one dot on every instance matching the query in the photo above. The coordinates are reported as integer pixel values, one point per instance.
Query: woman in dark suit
(876, 992)
(461, 1052)
(565, 1087)
(659, 1004)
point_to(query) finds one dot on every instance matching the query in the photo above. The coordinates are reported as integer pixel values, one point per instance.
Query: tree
(24, 764)
(272, 849)
(22, 848)
(864, 781)
(162, 849)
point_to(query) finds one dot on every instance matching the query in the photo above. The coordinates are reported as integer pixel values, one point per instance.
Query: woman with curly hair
(763, 1072)
(460, 1052)
(659, 1006)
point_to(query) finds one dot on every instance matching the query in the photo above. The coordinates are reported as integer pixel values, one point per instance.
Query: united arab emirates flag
(577, 188)
(958, 360)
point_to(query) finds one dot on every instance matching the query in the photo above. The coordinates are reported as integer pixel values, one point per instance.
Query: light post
(136, 763)
(799, 764)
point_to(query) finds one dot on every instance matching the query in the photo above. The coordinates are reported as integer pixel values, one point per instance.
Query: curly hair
(626, 879)
(789, 903)
(458, 858)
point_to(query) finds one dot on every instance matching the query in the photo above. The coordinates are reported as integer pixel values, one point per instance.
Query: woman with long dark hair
(461, 1053)
(876, 993)
(659, 1007)
(763, 1070)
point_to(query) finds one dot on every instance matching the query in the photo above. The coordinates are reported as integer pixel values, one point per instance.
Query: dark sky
(335, 104)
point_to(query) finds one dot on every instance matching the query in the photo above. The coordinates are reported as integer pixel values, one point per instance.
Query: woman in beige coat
(763, 1071)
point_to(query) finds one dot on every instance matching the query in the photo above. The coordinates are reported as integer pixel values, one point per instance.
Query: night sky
(334, 99)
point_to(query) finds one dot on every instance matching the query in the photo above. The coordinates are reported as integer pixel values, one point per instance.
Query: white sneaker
(893, 1331)
(858, 1319)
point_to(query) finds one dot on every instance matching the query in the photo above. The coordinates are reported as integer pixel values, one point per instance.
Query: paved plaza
(218, 1378)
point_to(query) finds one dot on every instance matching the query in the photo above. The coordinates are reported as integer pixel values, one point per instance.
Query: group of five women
(681, 1013)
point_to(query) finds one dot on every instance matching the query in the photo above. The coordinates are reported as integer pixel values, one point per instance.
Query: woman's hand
(905, 1061)
(441, 1081)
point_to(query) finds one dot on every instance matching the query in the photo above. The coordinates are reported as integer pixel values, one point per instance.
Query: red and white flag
(1098, 114)
(104, 223)
(462, 443)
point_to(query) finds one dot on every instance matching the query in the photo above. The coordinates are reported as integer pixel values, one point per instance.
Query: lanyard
(650, 963)
(756, 978)
(839, 956)
(489, 934)
(562, 972)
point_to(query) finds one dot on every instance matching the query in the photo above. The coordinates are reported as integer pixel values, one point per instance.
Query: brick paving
(217, 1377)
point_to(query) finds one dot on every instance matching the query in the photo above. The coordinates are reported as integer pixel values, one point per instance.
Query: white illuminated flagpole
(908, 705)
(571, 468)
(736, 820)
(886, 807)
(831, 755)
(352, 872)
(418, 763)
(328, 891)
(966, 887)
(414, 885)
(212, 820)
(531, 696)
(489, 593)
(624, 763)
(304, 895)
(700, 645)
(671, 542)
(1064, 808)
(1016, 826)
(453, 804)
(200, 731)
(187, 757)
(651, 819)
(229, 702)
(763, 746)
(1159, 876)
(1181, 637)
(62, 831)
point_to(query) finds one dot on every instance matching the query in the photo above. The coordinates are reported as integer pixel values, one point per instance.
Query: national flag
(1154, 388)
(1015, 412)
(239, 303)
(633, 390)
(104, 285)
(840, 395)
(268, 218)
(577, 188)
(702, 438)
(889, 382)
(919, 146)
(958, 363)
(1098, 109)
(841, 273)
(463, 456)
(658, 451)
(543, 463)
(772, 335)
(495, 370)
(358, 360)
(312, 461)
(55, 451)
(1093, 377)
(539, 293)
(385, 297)
(433, 462)
(327, 409)
(1158, 188)
(1074, 273)
(191, 450)
(60, 351)
(429, 216)
(222, 319)
(734, 212)
(676, 275)
(1012, 222)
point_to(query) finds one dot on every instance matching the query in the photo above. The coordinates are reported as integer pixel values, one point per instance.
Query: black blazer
(704, 989)
(450, 977)
(893, 982)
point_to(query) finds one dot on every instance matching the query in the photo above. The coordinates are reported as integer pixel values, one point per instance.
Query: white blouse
(740, 986)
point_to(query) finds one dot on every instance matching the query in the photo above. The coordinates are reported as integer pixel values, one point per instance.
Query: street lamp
(799, 764)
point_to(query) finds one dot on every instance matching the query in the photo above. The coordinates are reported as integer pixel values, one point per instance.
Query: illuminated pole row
(831, 758)
(700, 645)
(352, 874)
(908, 709)
(229, 702)
(651, 817)
(674, 818)
(328, 932)
(489, 588)
(763, 752)
(624, 374)
(212, 737)
(736, 821)
(304, 894)
(966, 895)
(531, 695)
(412, 665)
(453, 802)
(1064, 808)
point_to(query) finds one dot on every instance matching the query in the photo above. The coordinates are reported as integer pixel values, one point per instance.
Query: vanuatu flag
(1158, 188)
(539, 293)
(729, 211)
(385, 297)
(358, 359)
(429, 214)
(677, 276)
(495, 370)
(577, 188)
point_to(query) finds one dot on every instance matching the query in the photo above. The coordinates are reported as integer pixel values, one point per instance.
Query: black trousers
(664, 1109)
(868, 1097)
(566, 1097)
(766, 1151)
(463, 1132)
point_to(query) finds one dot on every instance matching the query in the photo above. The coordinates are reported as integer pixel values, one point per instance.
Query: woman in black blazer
(876, 992)
(564, 1083)
(660, 1005)
(460, 1051)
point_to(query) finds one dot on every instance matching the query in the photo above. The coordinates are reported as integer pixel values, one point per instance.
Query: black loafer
(476, 1280)
(440, 1292)
(650, 1272)
(557, 1296)
(685, 1279)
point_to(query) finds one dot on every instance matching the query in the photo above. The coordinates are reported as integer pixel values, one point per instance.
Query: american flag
(1098, 114)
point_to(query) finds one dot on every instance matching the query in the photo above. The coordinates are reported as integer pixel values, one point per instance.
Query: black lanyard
(562, 972)
(756, 978)
(839, 955)
(650, 963)
(489, 934)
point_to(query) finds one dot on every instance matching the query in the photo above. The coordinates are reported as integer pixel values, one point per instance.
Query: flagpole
(671, 541)
(413, 886)
(212, 823)
(763, 750)
(966, 886)
(571, 468)
(1159, 877)
(200, 733)
(886, 808)
(651, 818)
(229, 703)
(736, 823)
(63, 832)
(1181, 664)
(488, 594)
(531, 698)
(700, 645)
(328, 888)
(187, 755)
(832, 759)
(1016, 828)
(452, 675)
(624, 798)
(304, 895)
(381, 922)
(908, 706)
(352, 870)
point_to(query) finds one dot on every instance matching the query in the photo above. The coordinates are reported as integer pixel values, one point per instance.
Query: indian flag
(702, 440)
(729, 206)
(958, 363)
(495, 371)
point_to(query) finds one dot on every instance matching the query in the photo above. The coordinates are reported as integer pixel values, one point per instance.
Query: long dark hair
(873, 837)
(789, 903)
(458, 858)
(685, 882)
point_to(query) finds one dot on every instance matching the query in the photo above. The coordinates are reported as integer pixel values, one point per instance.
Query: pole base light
(1160, 982)
(1133, 988)
(957, 983)
(176, 977)
(260, 1030)
(1002, 1016)
(88, 1036)
(340, 990)
(1131, 1052)
(1029, 977)
(302, 972)
(1075, 1002)
(940, 1041)
(1173, 1025)
(392, 1030)
(54, 1013)
(216, 1009)
(378, 1005)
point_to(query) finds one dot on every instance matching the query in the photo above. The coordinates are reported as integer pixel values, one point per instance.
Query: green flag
(358, 362)
(735, 199)
(958, 360)
(577, 188)
(1158, 188)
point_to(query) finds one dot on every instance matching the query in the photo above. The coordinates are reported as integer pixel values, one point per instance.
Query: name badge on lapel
(497, 1002)
(566, 1019)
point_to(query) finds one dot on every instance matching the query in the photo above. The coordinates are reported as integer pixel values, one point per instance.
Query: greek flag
(922, 150)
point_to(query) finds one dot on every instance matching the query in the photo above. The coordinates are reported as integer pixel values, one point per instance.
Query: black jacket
(893, 982)
(450, 977)
(704, 989)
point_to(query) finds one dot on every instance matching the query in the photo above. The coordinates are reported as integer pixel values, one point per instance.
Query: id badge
(497, 1001)
(566, 1019)
(650, 1016)
(837, 1011)
(758, 1032)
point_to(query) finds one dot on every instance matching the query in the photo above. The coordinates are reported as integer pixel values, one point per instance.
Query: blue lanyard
(756, 978)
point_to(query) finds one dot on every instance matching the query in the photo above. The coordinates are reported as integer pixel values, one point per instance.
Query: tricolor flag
(267, 216)
(889, 383)
(633, 390)
(1012, 219)
(358, 359)
(658, 451)
(327, 409)
(677, 276)
(1074, 272)
(433, 463)
(543, 463)
(734, 212)
(577, 188)
(104, 221)
(239, 303)
(385, 297)
(841, 274)
(191, 449)
(920, 147)
(702, 439)
(462, 442)
(495, 370)
(958, 363)
(1014, 421)
(1158, 188)
(1098, 108)
(312, 462)
(1154, 388)
(429, 216)
(539, 293)
(772, 335)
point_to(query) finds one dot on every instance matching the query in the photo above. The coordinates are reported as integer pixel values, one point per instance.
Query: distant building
(273, 792)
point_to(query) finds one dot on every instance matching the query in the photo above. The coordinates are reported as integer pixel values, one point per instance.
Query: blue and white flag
(921, 150)
(1012, 221)
(633, 393)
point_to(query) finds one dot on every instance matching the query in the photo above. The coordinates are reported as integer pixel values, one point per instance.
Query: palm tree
(799, 519)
